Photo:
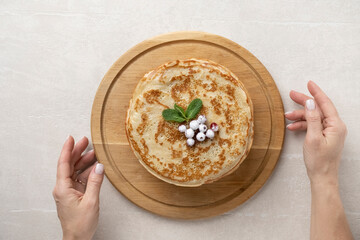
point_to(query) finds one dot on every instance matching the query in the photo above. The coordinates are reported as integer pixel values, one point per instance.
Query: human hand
(325, 135)
(77, 190)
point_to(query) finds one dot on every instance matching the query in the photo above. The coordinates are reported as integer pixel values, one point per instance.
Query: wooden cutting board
(122, 167)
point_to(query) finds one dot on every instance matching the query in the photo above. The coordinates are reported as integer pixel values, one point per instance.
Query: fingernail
(287, 126)
(99, 169)
(67, 139)
(288, 112)
(310, 104)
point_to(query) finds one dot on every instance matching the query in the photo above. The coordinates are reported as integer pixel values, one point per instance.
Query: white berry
(201, 119)
(202, 128)
(189, 133)
(182, 128)
(194, 125)
(200, 136)
(190, 142)
(210, 133)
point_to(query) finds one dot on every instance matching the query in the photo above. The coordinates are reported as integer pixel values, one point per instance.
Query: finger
(313, 119)
(86, 173)
(85, 160)
(80, 147)
(94, 182)
(295, 115)
(299, 98)
(299, 114)
(297, 126)
(324, 102)
(83, 177)
(64, 168)
(331, 122)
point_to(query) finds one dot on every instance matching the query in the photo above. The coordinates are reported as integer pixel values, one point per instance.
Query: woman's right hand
(77, 189)
(325, 135)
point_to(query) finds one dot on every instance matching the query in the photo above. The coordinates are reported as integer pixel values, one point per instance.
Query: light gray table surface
(53, 55)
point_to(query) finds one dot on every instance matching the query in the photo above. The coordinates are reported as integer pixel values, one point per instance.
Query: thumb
(94, 182)
(313, 119)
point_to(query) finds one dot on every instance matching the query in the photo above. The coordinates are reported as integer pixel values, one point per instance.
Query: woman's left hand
(77, 190)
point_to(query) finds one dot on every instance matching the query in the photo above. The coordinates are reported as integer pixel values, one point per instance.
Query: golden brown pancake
(158, 144)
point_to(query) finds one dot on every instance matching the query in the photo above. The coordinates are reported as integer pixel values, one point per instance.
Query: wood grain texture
(122, 167)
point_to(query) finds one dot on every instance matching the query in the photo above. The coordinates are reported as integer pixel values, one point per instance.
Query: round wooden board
(122, 167)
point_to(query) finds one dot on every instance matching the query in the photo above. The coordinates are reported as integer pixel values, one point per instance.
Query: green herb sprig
(178, 114)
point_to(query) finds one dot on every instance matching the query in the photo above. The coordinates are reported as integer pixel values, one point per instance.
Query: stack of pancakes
(159, 145)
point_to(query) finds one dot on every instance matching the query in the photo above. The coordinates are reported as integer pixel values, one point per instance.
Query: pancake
(158, 144)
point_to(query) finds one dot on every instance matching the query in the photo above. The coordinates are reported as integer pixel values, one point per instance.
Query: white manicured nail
(310, 104)
(288, 112)
(99, 169)
(287, 126)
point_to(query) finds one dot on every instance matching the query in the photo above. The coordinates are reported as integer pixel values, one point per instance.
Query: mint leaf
(193, 108)
(180, 110)
(172, 115)
(179, 115)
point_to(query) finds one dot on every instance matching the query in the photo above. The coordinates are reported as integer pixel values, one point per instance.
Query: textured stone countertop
(54, 54)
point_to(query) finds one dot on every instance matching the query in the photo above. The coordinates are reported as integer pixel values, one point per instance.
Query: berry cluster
(198, 128)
